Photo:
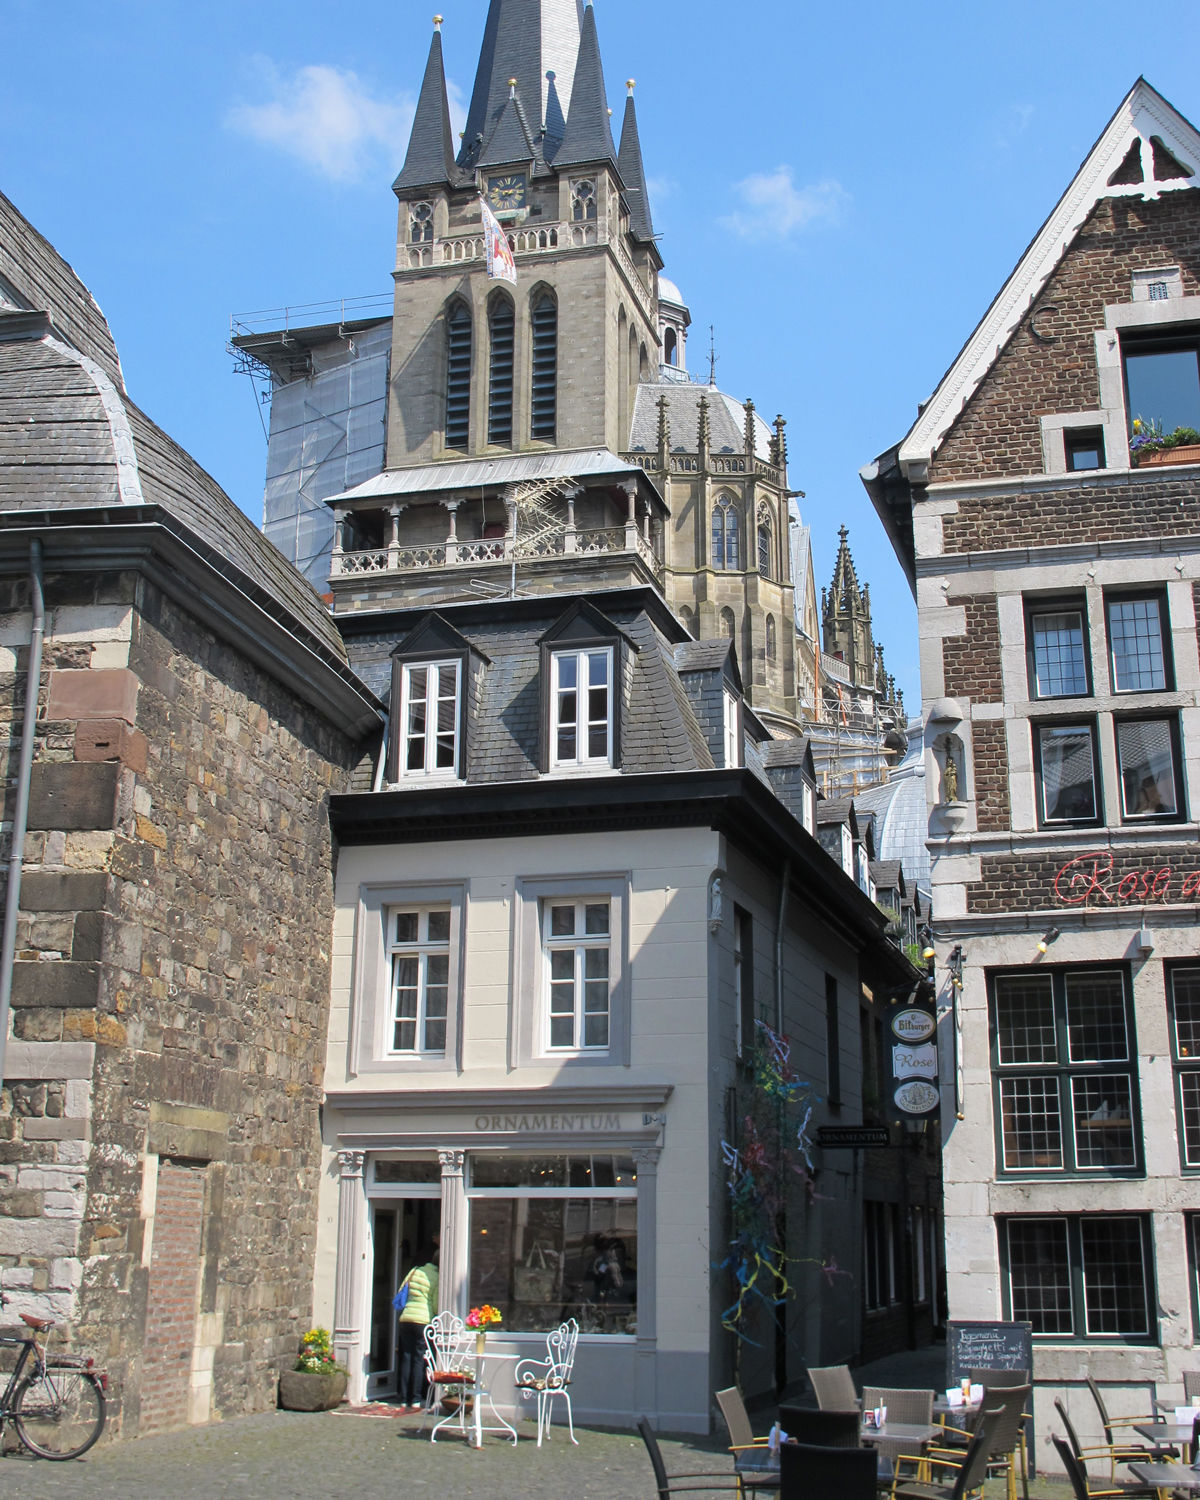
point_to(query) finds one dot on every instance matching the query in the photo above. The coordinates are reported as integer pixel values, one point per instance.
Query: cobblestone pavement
(294, 1456)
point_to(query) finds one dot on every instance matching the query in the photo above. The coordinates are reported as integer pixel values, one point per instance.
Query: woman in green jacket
(420, 1309)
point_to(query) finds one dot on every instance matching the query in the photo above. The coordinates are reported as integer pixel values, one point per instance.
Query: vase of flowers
(480, 1318)
(316, 1382)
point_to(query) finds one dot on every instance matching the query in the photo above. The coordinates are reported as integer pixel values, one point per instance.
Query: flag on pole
(500, 263)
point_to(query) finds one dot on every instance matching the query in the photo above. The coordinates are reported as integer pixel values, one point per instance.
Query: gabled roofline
(1143, 112)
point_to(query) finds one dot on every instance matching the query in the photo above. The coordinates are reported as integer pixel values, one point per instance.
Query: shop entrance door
(403, 1231)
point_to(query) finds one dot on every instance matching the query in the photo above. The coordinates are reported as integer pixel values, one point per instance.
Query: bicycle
(58, 1407)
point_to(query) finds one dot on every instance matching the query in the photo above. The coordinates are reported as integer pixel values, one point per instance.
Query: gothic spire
(844, 592)
(629, 160)
(510, 141)
(536, 42)
(588, 135)
(430, 158)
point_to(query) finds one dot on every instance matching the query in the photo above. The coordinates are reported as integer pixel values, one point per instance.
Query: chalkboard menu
(987, 1346)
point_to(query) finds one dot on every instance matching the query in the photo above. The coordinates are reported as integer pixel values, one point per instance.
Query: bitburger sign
(913, 1053)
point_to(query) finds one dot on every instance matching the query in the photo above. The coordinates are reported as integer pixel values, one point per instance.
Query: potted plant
(1150, 447)
(316, 1382)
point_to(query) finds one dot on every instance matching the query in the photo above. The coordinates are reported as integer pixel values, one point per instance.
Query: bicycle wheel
(60, 1413)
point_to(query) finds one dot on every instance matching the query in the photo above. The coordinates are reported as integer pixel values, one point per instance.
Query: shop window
(1056, 651)
(420, 957)
(1079, 1276)
(880, 1255)
(1148, 766)
(1162, 383)
(1184, 1004)
(555, 1237)
(732, 726)
(1084, 448)
(1068, 776)
(1063, 1074)
(1137, 649)
(743, 981)
(725, 534)
(430, 715)
(576, 939)
(581, 698)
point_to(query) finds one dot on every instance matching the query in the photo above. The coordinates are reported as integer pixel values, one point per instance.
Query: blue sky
(840, 190)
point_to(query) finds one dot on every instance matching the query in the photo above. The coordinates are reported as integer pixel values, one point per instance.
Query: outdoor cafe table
(1168, 1435)
(763, 1476)
(481, 1393)
(1164, 1477)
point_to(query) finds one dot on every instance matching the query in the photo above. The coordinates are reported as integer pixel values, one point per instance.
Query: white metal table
(479, 1393)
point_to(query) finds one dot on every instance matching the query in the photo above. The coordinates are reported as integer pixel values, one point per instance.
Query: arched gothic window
(420, 223)
(772, 647)
(458, 376)
(764, 544)
(728, 625)
(583, 200)
(670, 348)
(543, 404)
(725, 534)
(501, 324)
(687, 618)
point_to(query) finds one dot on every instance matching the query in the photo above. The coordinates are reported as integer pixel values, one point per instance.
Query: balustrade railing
(591, 541)
(718, 463)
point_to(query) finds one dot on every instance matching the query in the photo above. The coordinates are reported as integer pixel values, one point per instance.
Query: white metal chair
(449, 1351)
(551, 1376)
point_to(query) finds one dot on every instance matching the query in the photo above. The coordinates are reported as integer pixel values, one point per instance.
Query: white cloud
(327, 118)
(1015, 122)
(775, 208)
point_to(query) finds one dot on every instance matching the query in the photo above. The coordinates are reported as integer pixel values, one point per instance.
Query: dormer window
(430, 714)
(733, 737)
(581, 695)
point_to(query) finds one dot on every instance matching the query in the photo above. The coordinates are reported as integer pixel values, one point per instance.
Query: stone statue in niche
(950, 770)
(714, 906)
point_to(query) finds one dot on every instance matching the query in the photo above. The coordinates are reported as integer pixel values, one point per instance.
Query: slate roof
(588, 136)
(511, 141)
(888, 874)
(835, 810)
(633, 175)
(430, 158)
(71, 438)
(726, 420)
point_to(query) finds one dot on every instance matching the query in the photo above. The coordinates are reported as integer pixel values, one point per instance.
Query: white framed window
(808, 805)
(419, 952)
(576, 939)
(733, 748)
(581, 707)
(430, 719)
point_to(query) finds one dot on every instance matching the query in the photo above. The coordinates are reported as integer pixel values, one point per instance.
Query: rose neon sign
(1091, 875)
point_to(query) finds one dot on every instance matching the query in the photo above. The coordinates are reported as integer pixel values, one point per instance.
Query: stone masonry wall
(971, 662)
(171, 988)
(1101, 879)
(990, 759)
(998, 432)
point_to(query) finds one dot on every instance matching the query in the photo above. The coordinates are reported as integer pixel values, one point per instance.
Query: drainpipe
(21, 809)
(784, 881)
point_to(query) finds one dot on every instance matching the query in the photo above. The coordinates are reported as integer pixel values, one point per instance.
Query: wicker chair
(913, 1408)
(833, 1387)
(668, 1484)
(1127, 1453)
(809, 1472)
(1004, 1409)
(1081, 1455)
(821, 1429)
(969, 1469)
(1191, 1385)
(742, 1443)
(1077, 1474)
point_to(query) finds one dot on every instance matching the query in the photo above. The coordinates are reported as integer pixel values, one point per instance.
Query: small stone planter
(300, 1391)
(1186, 453)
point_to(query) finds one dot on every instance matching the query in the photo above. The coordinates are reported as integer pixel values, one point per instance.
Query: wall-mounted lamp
(955, 964)
(1052, 936)
(1145, 940)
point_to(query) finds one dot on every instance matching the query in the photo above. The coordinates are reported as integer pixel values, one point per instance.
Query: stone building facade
(1054, 553)
(194, 713)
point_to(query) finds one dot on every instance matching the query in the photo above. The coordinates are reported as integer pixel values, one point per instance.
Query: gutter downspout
(785, 880)
(16, 856)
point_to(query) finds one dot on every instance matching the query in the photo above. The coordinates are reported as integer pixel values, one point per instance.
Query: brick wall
(998, 432)
(1012, 883)
(170, 1328)
(1153, 504)
(971, 662)
(174, 951)
(990, 757)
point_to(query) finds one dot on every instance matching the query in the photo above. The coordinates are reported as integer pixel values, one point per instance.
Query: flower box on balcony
(1185, 453)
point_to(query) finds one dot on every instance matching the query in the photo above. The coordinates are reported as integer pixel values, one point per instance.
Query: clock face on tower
(507, 192)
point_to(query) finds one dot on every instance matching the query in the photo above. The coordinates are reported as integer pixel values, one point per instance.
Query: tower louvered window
(545, 369)
(500, 378)
(764, 548)
(458, 377)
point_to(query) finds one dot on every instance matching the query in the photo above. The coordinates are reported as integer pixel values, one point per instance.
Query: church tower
(846, 620)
